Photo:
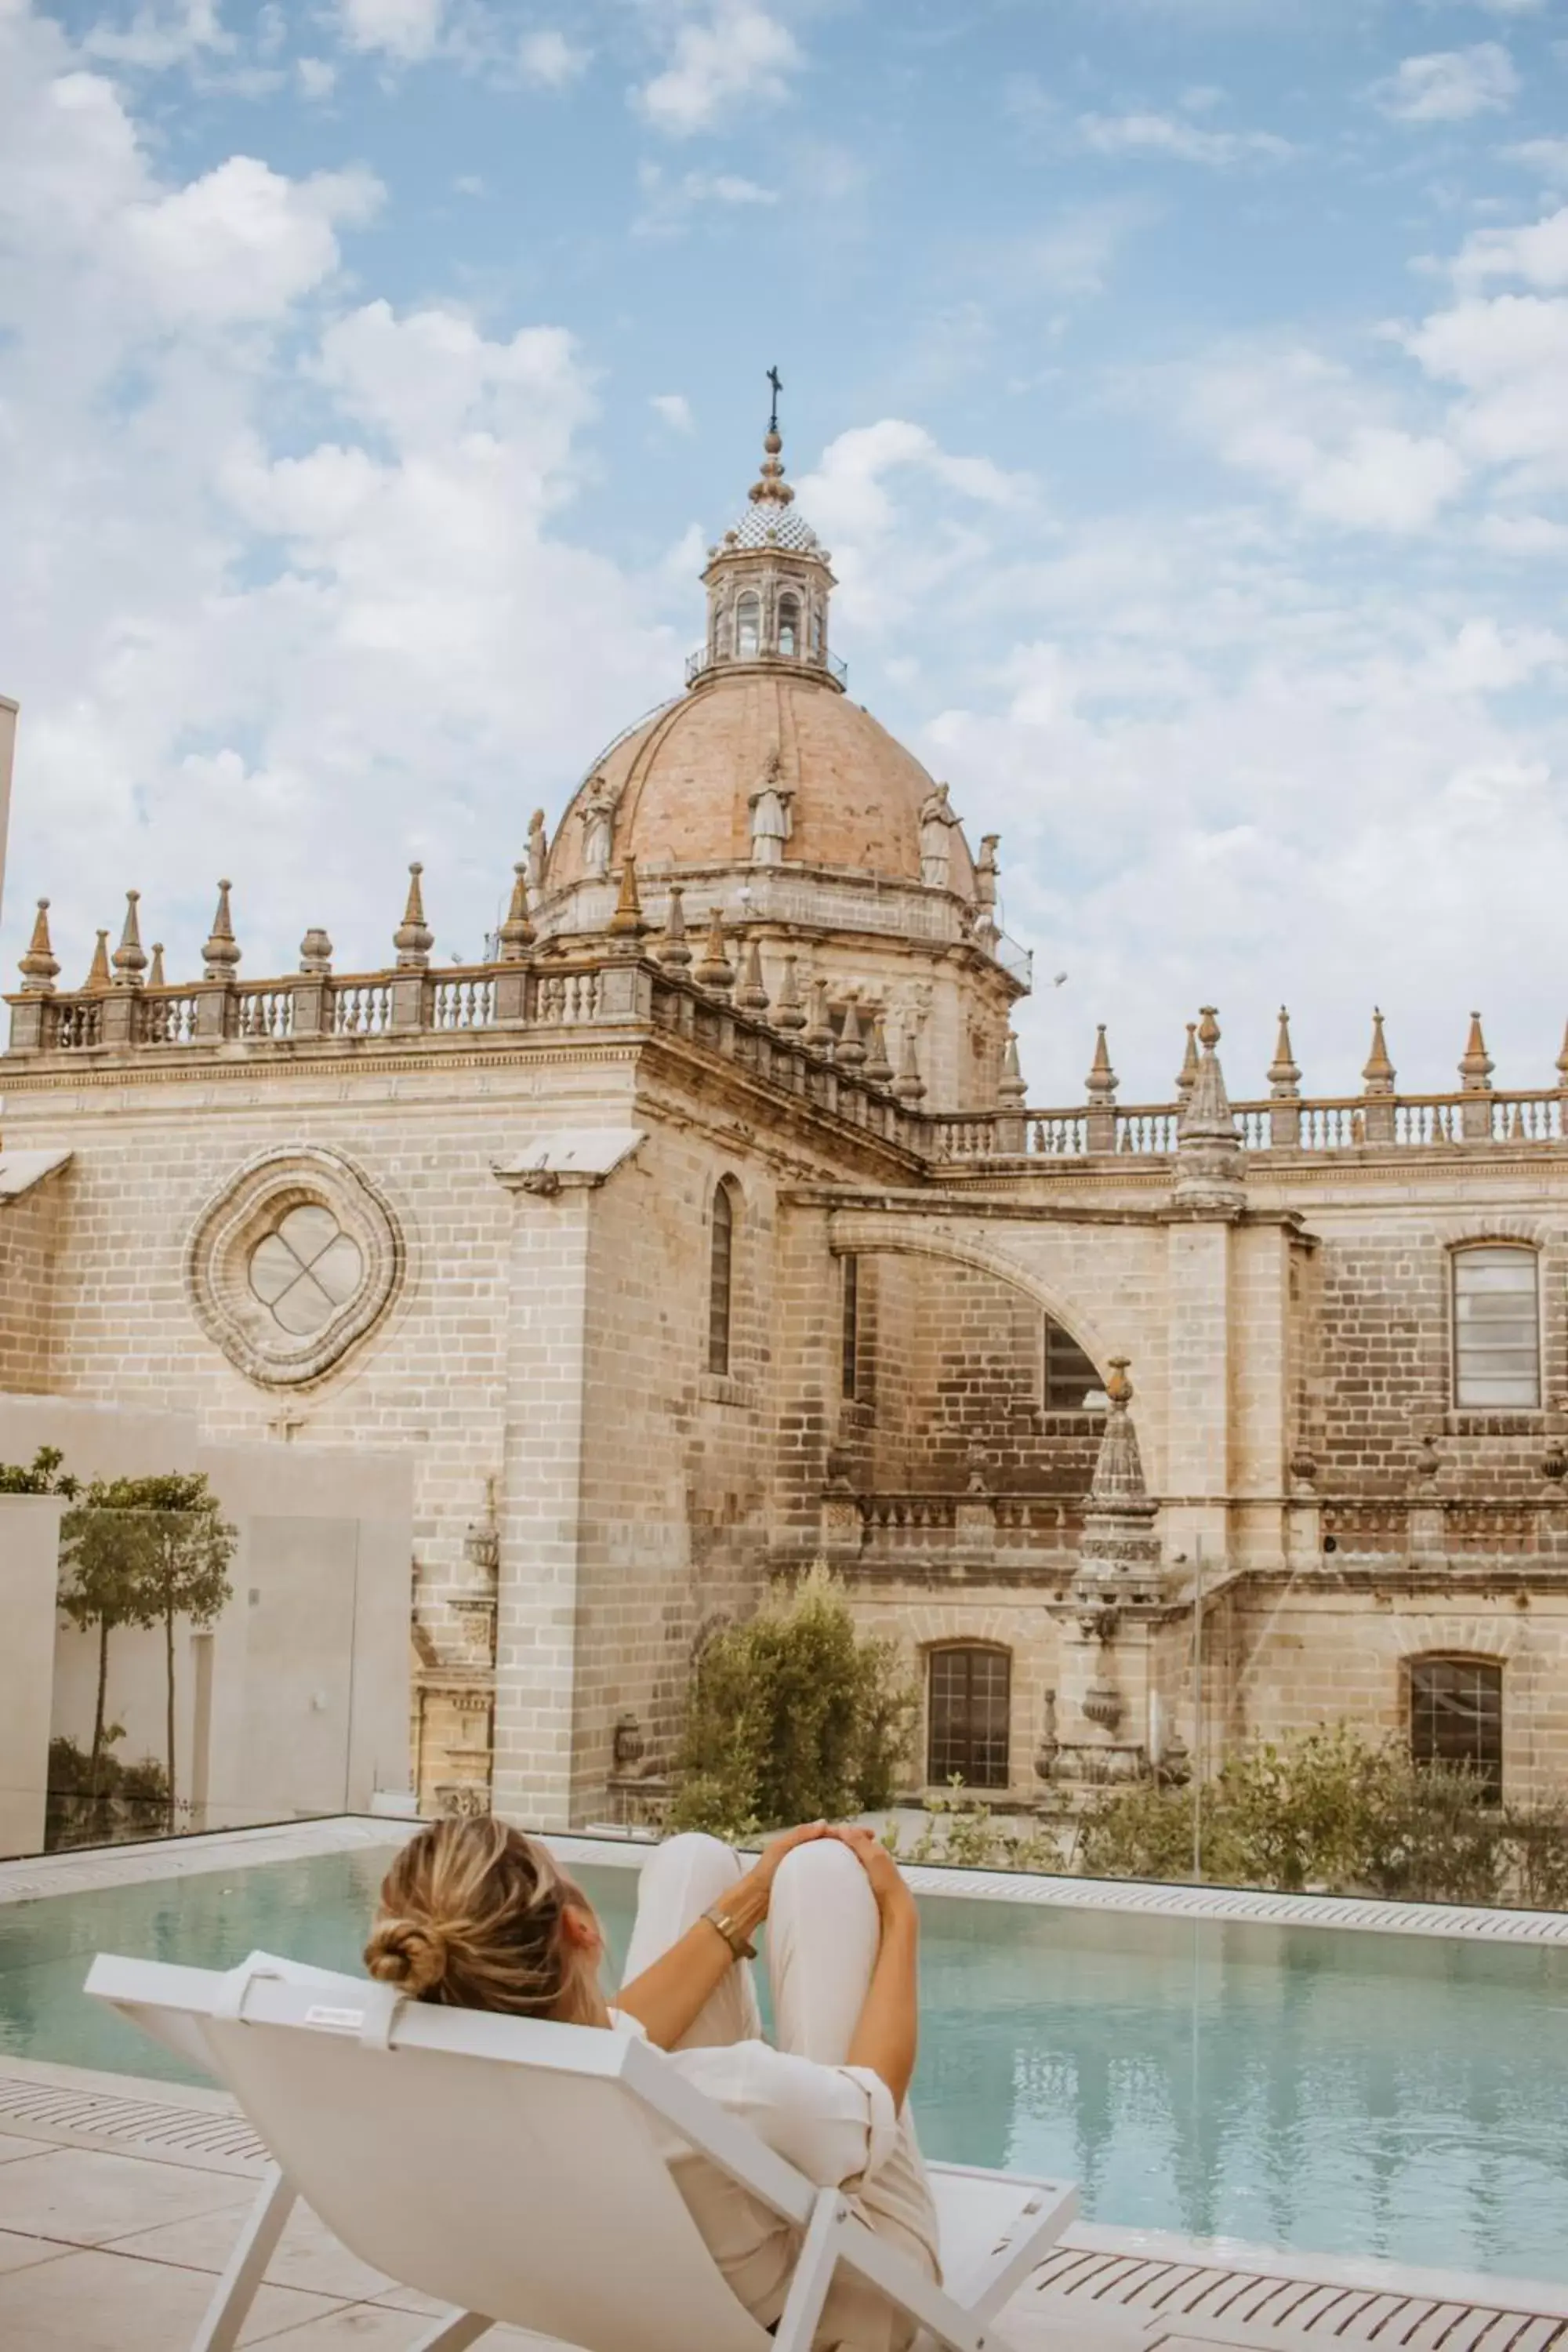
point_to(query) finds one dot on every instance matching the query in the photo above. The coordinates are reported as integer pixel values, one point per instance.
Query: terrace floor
(120, 2203)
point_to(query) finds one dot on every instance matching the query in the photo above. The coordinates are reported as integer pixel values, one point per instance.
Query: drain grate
(1200, 2305)
(151, 2128)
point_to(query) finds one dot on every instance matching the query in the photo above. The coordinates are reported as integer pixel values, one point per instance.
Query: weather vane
(777, 381)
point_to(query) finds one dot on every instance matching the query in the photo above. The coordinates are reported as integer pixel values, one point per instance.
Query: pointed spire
(516, 935)
(1100, 1083)
(1378, 1076)
(1284, 1077)
(879, 1068)
(751, 995)
(850, 1050)
(155, 975)
(909, 1086)
(1119, 1552)
(1010, 1087)
(788, 1012)
(39, 967)
(414, 939)
(1210, 1170)
(130, 956)
(715, 970)
(1187, 1075)
(626, 922)
(818, 1031)
(674, 950)
(1476, 1065)
(773, 489)
(97, 981)
(220, 957)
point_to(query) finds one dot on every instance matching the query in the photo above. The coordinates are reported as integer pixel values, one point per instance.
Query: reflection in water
(1373, 2094)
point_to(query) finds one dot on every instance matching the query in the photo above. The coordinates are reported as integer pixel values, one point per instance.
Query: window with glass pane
(850, 1368)
(1456, 1716)
(789, 624)
(968, 1708)
(1069, 1373)
(1497, 1329)
(720, 1270)
(748, 627)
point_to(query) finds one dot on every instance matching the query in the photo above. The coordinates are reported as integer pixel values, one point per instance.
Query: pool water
(1349, 2094)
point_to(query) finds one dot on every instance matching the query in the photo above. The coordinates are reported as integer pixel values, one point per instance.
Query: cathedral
(705, 1230)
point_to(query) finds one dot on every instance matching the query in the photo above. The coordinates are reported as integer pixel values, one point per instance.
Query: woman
(478, 1915)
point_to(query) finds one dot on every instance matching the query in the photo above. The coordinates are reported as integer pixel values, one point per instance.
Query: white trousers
(822, 1938)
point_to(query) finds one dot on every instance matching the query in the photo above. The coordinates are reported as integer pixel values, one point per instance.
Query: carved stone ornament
(292, 1263)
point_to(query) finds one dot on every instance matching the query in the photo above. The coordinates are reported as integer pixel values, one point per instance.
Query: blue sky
(1180, 384)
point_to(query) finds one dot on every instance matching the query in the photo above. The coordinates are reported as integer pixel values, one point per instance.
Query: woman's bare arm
(887, 2036)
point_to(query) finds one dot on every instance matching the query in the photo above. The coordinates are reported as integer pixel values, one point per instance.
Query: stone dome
(682, 784)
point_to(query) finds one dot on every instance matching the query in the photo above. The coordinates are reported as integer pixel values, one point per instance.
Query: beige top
(834, 2124)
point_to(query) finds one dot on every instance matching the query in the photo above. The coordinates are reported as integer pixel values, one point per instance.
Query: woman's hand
(887, 1879)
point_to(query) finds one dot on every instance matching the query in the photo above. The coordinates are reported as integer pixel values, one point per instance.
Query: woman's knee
(823, 1872)
(694, 1855)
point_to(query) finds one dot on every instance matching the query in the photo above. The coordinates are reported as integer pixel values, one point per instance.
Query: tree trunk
(95, 1769)
(169, 1724)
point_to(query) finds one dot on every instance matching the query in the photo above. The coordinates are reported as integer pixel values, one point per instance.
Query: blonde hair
(471, 1916)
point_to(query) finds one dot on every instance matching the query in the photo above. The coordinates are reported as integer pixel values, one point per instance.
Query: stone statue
(536, 854)
(769, 817)
(599, 826)
(937, 821)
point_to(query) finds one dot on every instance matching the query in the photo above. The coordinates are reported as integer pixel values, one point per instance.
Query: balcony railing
(699, 663)
(1348, 1123)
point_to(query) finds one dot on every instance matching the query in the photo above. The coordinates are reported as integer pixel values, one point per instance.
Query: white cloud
(409, 30)
(1511, 7)
(1179, 142)
(1547, 156)
(1538, 253)
(1305, 426)
(160, 33)
(675, 410)
(887, 561)
(1509, 359)
(734, 53)
(671, 200)
(318, 78)
(547, 56)
(1450, 85)
(242, 242)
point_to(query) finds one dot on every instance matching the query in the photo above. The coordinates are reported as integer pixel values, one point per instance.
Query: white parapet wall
(295, 1703)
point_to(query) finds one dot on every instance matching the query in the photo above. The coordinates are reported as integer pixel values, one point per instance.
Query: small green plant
(793, 1716)
(960, 1832)
(42, 1475)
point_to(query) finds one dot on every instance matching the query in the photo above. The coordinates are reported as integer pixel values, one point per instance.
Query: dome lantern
(768, 581)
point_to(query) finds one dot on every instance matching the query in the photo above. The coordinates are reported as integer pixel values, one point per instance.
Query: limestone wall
(31, 1225)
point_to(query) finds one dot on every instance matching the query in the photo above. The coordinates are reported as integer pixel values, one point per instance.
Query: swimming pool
(1299, 2087)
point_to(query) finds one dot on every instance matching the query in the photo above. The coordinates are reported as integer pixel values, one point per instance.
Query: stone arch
(862, 1235)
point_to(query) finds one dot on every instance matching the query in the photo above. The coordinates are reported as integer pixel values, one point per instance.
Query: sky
(1181, 386)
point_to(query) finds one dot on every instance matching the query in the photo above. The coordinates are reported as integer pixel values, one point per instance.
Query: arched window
(789, 624)
(816, 630)
(1456, 1716)
(1497, 1329)
(748, 625)
(968, 1716)
(1069, 1375)
(850, 1329)
(721, 1276)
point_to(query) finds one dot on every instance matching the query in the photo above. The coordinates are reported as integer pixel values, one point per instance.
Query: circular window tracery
(293, 1261)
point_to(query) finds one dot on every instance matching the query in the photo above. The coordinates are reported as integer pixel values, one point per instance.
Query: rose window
(306, 1269)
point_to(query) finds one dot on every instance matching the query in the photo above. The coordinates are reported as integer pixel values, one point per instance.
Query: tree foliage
(793, 1717)
(102, 1799)
(42, 1475)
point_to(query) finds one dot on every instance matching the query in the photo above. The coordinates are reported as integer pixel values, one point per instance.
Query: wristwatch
(731, 1933)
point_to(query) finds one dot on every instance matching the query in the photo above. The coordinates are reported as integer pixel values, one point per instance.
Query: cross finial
(778, 383)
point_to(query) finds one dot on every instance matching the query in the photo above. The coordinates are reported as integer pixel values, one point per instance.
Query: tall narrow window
(1497, 1329)
(748, 627)
(817, 633)
(849, 1345)
(1455, 1717)
(968, 1710)
(720, 1278)
(1069, 1375)
(789, 624)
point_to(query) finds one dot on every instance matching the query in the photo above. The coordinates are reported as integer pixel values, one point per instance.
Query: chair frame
(170, 2000)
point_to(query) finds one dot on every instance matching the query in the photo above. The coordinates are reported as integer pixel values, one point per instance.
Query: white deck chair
(505, 2166)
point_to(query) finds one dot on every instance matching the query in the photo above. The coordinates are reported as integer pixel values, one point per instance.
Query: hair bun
(408, 1953)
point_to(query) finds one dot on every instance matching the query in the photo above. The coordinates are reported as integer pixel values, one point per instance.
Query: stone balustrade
(1345, 1123)
(903, 1533)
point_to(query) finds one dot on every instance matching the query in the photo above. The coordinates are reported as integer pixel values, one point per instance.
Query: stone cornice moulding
(569, 1159)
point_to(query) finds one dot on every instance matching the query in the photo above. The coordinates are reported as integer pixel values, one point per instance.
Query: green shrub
(793, 1717)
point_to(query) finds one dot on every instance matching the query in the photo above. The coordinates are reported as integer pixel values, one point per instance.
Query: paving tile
(16, 2253)
(82, 2196)
(307, 2256)
(87, 2301)
(11, 2147)
(366, 2327)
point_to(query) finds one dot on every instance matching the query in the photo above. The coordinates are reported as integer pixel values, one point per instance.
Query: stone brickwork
(30, 1229)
